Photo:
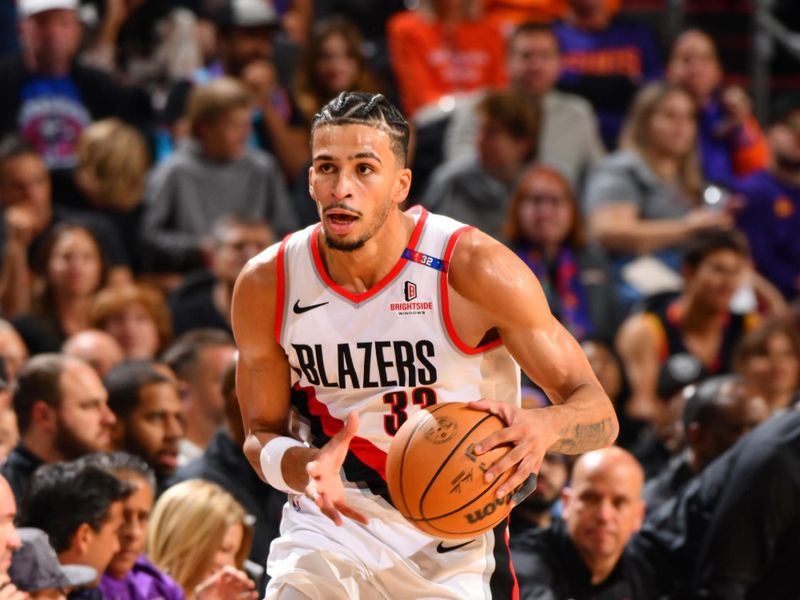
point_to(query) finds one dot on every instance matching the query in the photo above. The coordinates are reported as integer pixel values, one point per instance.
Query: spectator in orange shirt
(443, 48)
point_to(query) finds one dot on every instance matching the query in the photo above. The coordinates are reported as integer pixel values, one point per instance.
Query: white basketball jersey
(385, 353)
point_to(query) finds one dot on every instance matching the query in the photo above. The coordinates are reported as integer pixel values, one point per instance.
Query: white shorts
(388, 558)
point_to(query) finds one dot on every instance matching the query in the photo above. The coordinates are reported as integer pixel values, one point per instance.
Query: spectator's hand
(116, 12)
(325, 486)
(260, 77)
(226, 584)
(22, 224)
(528, 432)
(701, 219)
(737, 104)
(8, 591)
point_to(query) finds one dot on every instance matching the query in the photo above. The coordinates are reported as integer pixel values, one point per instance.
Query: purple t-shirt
(143, 582)
(607, 68)
(770, 219)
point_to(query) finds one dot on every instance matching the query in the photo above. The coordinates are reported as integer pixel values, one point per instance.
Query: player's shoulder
(261, 271)
(479, 260)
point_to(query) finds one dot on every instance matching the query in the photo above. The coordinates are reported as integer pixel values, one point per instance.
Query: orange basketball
(434, 478)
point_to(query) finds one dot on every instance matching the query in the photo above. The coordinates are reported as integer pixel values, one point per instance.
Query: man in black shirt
(717, 413)
(586, 555)
(736, 527)
(62, 411)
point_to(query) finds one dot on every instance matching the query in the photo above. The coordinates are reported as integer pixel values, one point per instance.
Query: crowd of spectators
(150, 148)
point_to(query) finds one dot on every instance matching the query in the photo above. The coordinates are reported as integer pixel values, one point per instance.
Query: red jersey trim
(365, 451)
(445, 295)
(280, 292)
(515, 589)
(358, 298)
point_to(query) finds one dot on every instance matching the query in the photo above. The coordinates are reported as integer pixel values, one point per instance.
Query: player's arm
(500, 293)
(263, 383)
(262, 372)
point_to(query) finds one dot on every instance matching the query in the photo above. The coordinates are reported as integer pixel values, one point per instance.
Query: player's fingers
(327, 509)
(509, 461)
(518, 478)
(350, 512)
(497, 438)
(499, 409)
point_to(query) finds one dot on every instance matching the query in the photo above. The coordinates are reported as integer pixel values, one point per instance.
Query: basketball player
(358, 322)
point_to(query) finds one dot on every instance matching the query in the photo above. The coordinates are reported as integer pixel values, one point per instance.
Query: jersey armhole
(445, 296)
(280, 290)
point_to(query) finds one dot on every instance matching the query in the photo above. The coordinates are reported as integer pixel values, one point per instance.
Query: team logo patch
(411, 305)
(410, 290)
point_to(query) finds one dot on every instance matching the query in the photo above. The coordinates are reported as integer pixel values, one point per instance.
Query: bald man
(97, 348)
(585, 555)
(9, 541)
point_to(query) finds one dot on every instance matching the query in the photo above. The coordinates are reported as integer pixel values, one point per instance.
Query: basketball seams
(407, 512)
(444, 464)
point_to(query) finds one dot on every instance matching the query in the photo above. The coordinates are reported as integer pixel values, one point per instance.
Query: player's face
(603, 509)
(355, 179)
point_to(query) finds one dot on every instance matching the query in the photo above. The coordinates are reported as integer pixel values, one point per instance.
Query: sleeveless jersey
(385, 353)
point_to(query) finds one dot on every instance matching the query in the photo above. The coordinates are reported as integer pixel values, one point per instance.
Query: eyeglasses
(541, 199)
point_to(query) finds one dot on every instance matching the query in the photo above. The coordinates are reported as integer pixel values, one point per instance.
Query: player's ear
(310, 179)
(402, 185)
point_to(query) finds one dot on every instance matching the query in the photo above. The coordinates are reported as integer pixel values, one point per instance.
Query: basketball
(436, 481)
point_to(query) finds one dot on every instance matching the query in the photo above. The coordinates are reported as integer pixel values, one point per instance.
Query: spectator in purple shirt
(770, 212)
(606, 60)
(130, 575)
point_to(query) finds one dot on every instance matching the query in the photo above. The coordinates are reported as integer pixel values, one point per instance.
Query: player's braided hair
(360, 108)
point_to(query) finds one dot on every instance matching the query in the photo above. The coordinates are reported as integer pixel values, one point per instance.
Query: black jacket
(18, 469)
(548, 567)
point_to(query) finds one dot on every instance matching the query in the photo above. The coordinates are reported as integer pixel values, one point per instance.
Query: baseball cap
(28, 8)
(677, 372)
(35, 565)
(247, 13)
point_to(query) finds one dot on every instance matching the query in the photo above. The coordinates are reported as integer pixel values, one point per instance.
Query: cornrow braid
(374, 110)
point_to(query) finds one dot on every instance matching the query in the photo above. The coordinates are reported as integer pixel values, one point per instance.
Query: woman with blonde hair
(647, 197)
(199, 535)
(113, 162)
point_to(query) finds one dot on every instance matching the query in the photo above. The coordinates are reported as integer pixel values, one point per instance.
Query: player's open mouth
(340, 223)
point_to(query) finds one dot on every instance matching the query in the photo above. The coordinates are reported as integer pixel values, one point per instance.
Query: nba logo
(410, 291)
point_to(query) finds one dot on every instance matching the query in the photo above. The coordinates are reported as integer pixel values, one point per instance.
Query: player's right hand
(325, 485)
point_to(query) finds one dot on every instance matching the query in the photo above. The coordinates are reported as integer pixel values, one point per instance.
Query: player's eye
(325, 168)
(363, 169)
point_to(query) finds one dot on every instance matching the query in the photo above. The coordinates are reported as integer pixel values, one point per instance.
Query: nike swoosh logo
(299, 310)
(441, 548)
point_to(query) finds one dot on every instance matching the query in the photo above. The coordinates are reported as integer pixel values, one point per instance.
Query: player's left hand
(527, 432)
